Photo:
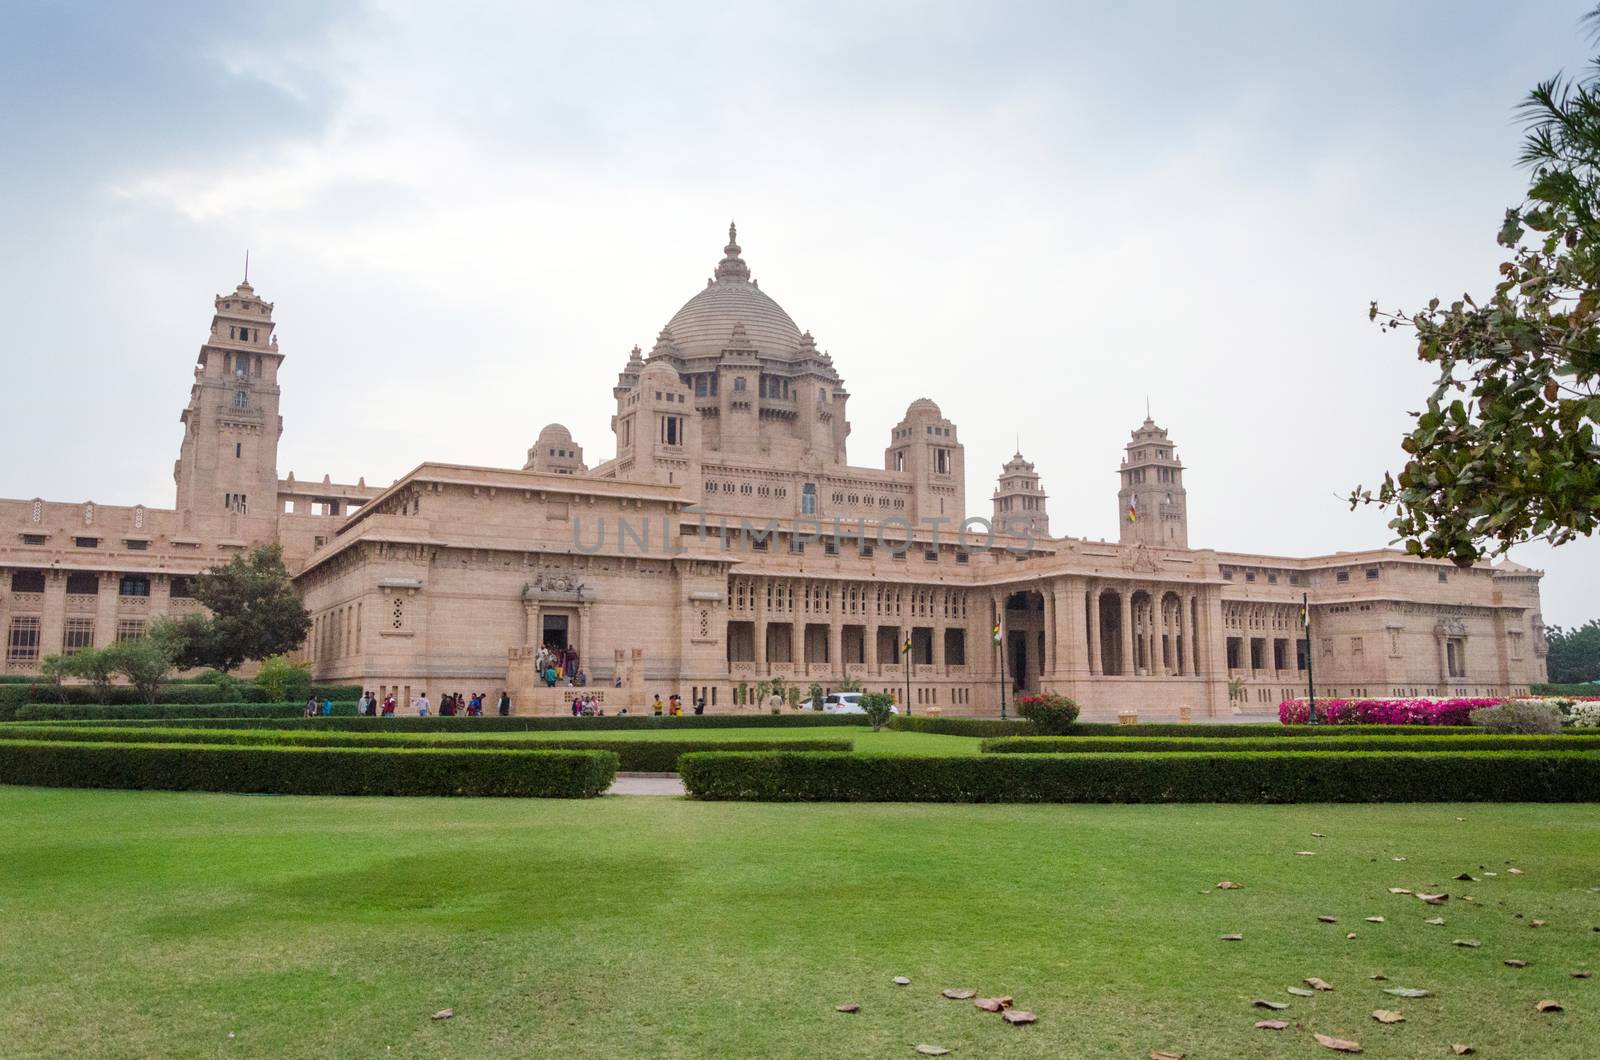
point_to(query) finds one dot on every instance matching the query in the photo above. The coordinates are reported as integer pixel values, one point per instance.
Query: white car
(842, 703)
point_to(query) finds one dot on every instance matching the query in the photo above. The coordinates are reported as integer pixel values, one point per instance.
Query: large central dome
(703, 327)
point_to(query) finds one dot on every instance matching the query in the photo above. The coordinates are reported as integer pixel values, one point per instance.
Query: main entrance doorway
(555, 632)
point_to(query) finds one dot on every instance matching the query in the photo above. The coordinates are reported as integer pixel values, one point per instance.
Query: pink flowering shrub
(1384, 711)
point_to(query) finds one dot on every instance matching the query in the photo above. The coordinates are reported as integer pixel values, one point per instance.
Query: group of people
(588, 706)
(674, 705)
(454, 704)
(560, 666)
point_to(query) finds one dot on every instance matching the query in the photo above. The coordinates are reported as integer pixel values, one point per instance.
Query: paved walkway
(646, 784)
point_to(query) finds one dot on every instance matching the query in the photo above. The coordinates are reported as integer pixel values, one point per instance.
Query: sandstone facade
(729, 540)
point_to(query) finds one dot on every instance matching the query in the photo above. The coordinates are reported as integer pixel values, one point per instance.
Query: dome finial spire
(732, 266)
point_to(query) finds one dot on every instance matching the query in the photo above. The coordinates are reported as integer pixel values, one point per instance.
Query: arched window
(808, 499)
(241, 399)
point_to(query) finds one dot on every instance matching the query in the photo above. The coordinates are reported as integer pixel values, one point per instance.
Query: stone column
(1066, 638)
(1191, 636)
(1126, 633)
(53, 614)
(835, 641)
(1047, 665)
(1092, 600)
(760, 625)
(583, 638)
(105, 612)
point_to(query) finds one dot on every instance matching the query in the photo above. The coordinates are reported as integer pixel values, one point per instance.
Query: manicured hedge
(307, 770)
(1241, 777)
(634, 756)
(1402, 743)
(961, 726)
(280, 712)
(492, 723)
(1567, 689)
(35, 691)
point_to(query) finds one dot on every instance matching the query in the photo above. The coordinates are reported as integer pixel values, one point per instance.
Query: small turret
(1019, 501)
(1152, 505)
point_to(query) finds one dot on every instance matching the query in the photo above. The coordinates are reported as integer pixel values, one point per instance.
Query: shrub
(634, 756)
(1578, 690)
(878, 708)
(283, 680)
(308, 770)
(1244, 777)
(1582, 714)
(1050, 714)
(1518, 715)
(1340, 742)
(1382, 711)
(134, 711)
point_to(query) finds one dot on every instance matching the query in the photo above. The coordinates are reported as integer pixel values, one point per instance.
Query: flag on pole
(997, 634)
(1305, 617)
(1133, 509)
(905, 649)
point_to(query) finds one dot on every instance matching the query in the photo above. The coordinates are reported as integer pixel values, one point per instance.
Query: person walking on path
(505, 704)
(422, 706)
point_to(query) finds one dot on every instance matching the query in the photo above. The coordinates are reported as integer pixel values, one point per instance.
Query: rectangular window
(930, 556)
(27, 581)
(830, 548)
(134, 585)
(137, 544)
(22, 639)
(34, 539)
(866, 551)
(238, 450)
(182, 587)
(129, 629)
(76, 635)
(1372, 574)
(963, 556)
(1444, 576)
(1342, 576)
(82, 583)
(86, 542)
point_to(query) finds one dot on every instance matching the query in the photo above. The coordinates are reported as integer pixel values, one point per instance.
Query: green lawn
(140, 923)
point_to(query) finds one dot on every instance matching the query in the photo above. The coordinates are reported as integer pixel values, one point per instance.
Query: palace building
(729, 540)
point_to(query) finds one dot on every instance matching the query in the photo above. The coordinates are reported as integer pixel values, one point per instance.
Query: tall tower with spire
(227, 463)
(1152, 507)
(1019, 501)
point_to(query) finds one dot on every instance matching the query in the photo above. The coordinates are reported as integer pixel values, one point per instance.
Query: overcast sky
(1039, 215)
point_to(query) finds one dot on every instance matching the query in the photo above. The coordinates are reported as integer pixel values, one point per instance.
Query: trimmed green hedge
(994, 727)
(491, 723)
(961, 726)
(36, 691)
(307, 770)
(282, 712)
(1239, 777)
(1403, 743)
(634, 756)
(1565, 690)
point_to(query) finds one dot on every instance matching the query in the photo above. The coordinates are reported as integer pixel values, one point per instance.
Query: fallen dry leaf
(1434, 920)
(1537, 923)
(1349, 934)
(1384, 1015)
(1231, 938)
(849, 1006)
(1018, 1016)
(1470, 944)
(1379, 977)
(1580, 974)
(901, 980)
(933, 1050)
(1405, 991)
(1317, 984)
(1165, 1054)
(1462, 1050)
(1229, 885)
(1374, 919)
(1319, 835)
(1467, 876)
(960, 993)
(989, 1004)
(1515, 964)
(1434, 899)
(1515, 872)
(1338, 1045)
(1399, 890)
(1305, 853)
(1328, 919)
(1397, 859)
(1270, 1025)
(1276, 1006)
(443, 1014)
(1300, 991)
(1547, 1006)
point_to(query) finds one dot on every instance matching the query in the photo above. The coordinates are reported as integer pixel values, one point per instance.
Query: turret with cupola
(1152, 506)
(1019, 500)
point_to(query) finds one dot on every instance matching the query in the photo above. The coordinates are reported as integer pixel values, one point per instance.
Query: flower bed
(1384, 711)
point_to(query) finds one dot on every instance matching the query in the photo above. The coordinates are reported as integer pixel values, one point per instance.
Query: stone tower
(1019, 502)
(556, 453)
(925, 445)
(1151, 505)
(227, 463)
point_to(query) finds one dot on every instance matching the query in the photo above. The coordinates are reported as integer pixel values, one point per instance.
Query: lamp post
(1311, 684)
(1000, 649)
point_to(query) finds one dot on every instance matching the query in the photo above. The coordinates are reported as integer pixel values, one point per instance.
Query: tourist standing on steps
(505, 703)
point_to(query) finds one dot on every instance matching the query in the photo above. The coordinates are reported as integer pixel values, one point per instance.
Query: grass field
(141, 923)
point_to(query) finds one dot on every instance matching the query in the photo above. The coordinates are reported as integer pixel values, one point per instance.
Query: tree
(96, 666)
(878, 707)
(53, 668)
(148, 660)
(1505, 451)
(254, 613)
(1574, 653)
(814, 696)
